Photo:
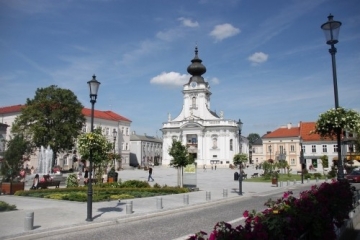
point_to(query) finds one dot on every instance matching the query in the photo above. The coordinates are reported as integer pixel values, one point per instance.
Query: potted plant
(112, 175)
(274, 177)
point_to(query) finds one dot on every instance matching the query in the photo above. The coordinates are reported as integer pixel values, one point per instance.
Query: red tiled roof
(284, 132)
(10, 109)
(108, 115)
(306, 129)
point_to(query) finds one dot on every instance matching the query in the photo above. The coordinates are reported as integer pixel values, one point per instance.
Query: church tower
(210, 138)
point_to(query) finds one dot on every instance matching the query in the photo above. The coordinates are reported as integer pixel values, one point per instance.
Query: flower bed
(314, 213)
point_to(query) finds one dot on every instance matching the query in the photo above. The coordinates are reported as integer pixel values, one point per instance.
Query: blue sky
(267, 61)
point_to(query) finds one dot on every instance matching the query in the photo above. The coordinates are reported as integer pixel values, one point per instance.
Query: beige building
(108, 121)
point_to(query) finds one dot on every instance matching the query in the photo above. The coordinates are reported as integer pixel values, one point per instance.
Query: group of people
(37, 180)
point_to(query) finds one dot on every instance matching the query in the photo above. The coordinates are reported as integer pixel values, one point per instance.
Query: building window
(231, 144)
(313, 148)
(324, 148)
(127, 146)
(194, 102)
(335, 148)
(292, 148)
(281, 149)
(127, 131)
(107, 131)
(122, 130)
(303, 149)
(214, 156)
(292, 161)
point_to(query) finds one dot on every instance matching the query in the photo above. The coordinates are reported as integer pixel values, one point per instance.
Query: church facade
(210, 138)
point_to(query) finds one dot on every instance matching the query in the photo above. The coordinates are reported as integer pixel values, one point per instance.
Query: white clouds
(170, 79)
(214, 81)
(258, 57)
(223, 31)
(188, 23)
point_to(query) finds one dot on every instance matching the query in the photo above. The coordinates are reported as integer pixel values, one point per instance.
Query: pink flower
(246, 214)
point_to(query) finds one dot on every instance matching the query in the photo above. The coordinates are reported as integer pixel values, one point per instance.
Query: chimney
(289, 125)
(268, 132)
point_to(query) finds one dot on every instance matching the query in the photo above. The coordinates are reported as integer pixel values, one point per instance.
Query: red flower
(246, 214)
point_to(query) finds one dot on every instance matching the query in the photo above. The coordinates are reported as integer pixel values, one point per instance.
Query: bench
(255, 175)
(45, 185)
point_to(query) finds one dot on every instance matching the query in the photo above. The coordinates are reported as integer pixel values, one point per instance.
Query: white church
(211, 138)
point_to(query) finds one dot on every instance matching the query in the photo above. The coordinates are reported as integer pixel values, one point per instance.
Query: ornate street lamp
(114, 133)
(331, 29)
(94, 87)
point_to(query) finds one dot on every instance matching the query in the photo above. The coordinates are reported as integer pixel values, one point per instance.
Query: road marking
(236, 220)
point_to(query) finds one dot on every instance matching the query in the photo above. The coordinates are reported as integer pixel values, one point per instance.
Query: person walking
(150, 173)
(86, 176)
(204, 167)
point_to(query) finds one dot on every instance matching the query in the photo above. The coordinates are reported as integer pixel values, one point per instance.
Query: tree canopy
(252, 137)
(240, 158)
(181, 157)
(17, 149)
(52, 118)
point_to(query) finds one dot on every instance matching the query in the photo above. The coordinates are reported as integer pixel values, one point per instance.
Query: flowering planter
(11, 188)
(274, 181)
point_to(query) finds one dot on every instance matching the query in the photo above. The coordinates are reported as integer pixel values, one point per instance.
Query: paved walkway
(56, 215)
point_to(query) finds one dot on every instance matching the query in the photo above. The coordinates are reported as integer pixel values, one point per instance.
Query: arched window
(193, 102)
(231, 144)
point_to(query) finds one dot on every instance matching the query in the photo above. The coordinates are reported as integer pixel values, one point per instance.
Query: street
(178, 225)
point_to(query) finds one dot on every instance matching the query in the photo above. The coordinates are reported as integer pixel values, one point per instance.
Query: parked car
(354, 176)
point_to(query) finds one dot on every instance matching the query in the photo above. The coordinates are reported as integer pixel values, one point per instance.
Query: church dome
(196, 68)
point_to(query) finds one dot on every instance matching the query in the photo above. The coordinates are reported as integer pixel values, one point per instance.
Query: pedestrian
(35, 182)
(150, 173)
(212, 167)
(86, 176)
(204, 167)
(215, 166)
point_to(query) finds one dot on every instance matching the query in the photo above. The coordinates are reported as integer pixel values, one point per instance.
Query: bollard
(317, 179)
(225, 193)
(129, 207)
(208, 196)
(308, 180)
(159, 203)
(186, 199)
(29, 221)
(288, 182)
(294, 181)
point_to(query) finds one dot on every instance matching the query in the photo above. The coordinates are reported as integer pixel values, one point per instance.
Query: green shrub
(307, 175)
(317, 175)
(72, 181)
(135, 184)
(121, 196)
(6, 207)
(156, 185)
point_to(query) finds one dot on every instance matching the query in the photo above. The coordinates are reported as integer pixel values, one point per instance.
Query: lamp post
(302, 161)
(331, 29)
(114, 133)
(94, 87)
(240, 148)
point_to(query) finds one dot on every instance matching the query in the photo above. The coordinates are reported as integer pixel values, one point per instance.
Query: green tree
(100, 147)
(181, 157)
(16, 151)
(52, 118)
(252, 137)
(240, 158)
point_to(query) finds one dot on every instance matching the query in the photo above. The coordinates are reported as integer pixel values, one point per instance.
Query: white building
(212, 139)
(107, 120)
(145, 150)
